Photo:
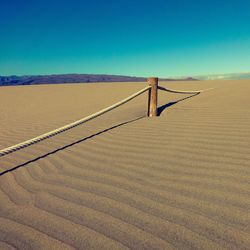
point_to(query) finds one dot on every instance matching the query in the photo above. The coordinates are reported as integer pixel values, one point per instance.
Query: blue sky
(127, 37)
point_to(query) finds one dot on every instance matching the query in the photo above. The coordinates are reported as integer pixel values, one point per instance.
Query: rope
(42, 137)
(182, 92)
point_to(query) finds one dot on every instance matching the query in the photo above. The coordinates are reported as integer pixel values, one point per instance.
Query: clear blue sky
(128, 37)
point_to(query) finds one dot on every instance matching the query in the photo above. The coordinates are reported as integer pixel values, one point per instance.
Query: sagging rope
(182, 91)
(42, 137)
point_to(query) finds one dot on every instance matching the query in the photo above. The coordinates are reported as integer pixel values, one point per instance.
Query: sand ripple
(122, 181)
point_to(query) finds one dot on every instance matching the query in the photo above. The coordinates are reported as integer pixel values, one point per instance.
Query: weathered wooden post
(152, 96)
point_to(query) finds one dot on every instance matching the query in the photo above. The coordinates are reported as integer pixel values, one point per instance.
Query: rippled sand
(125, 181)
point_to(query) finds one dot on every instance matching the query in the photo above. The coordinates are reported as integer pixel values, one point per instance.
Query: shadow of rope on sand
(68, 145)
(159, 111)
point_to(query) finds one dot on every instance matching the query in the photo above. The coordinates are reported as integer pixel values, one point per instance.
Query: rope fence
(152, 111)
(183, 92)
(69, 126)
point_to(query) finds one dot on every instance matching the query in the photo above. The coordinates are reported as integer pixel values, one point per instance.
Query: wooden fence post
(152, 96)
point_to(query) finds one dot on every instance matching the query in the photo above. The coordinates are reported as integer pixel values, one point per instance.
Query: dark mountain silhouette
(70, 78)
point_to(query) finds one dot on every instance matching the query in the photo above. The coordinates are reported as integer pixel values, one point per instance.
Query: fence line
(152, 111)
(42, 137)
(181, 91)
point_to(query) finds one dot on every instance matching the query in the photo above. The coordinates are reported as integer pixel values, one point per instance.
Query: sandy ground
(125, 181)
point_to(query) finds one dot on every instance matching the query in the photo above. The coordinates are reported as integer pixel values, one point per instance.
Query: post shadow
(169, 104)
(159, 111)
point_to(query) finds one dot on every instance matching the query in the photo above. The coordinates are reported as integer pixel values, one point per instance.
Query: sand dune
(125, 181)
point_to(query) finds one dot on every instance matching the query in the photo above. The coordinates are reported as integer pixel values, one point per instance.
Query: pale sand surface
(179, 181)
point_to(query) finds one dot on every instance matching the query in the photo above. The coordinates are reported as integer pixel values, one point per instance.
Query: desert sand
(125, 181)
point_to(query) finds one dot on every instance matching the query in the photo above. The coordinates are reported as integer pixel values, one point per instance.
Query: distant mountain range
(71, 78)
(232, 76)
(91, 78)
